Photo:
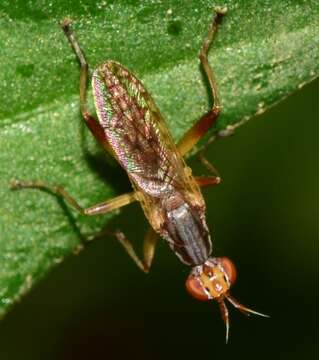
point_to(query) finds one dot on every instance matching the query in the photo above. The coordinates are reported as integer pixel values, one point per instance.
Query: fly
(131, 128)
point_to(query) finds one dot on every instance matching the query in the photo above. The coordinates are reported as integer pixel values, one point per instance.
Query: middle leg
(101, 208)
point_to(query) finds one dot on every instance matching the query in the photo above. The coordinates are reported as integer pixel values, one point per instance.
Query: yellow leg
(149, 246)
(148, 249)
(101, 208)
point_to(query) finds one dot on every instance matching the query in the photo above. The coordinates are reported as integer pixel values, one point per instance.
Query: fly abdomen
(186, 231)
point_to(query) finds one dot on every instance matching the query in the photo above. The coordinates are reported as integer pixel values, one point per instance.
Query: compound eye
(195, 288)
(229, 268)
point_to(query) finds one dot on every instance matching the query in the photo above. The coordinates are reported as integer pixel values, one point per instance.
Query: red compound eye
(229, 268)
(195, 288)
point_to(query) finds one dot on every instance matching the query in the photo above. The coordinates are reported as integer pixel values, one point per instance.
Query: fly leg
(149, 245)
(101, 208)
(90, 120)
(97, 209)
(198, 130)
(209, 180)
(203, 181)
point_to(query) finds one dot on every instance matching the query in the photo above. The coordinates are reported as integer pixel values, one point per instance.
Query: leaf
(263, 52)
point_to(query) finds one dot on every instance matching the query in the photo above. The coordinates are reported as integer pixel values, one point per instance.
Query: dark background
(264, 216)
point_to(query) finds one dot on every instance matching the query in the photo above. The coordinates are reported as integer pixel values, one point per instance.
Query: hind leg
(200, 128)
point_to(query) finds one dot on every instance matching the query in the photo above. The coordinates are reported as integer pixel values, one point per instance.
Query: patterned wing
(136, 130)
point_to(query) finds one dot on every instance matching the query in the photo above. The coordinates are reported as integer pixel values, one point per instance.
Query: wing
(136, 131)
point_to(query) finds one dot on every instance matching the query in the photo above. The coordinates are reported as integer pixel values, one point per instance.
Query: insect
(131, 128)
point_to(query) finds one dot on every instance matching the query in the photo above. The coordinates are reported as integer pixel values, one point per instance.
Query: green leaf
(263, 52)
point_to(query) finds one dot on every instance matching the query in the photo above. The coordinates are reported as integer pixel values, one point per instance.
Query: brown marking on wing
(134, 128)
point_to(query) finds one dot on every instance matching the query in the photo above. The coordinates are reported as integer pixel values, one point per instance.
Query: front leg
(149, 246)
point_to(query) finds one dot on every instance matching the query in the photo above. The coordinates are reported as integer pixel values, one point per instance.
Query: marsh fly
(131, 128)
